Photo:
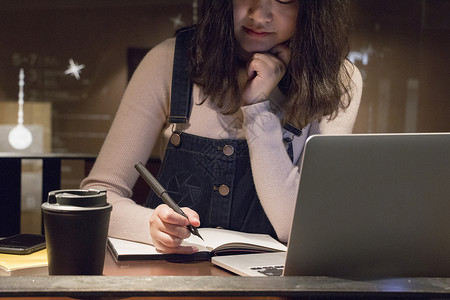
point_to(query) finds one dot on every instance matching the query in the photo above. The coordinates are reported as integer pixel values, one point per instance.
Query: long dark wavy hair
(315, 81)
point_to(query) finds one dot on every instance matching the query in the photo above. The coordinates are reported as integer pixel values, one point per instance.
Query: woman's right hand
(168, 229)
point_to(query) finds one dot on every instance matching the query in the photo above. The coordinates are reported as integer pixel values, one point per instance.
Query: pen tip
(198, 234)
(194, 231)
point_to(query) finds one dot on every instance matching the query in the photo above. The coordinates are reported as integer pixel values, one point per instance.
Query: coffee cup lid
(78, 198)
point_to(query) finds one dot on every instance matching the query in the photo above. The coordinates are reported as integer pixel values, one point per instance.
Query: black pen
(163, 195)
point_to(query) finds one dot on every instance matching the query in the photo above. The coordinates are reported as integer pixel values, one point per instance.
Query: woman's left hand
(264, 72)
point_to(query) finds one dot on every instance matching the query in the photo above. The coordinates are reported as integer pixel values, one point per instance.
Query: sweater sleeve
(276, 177)
(138, 123)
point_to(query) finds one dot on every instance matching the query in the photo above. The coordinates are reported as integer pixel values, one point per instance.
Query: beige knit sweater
(141, 123)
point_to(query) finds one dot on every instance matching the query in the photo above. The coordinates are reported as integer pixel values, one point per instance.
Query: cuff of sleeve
(259, 120)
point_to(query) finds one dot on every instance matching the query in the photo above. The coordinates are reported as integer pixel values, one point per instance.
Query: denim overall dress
(211, 176)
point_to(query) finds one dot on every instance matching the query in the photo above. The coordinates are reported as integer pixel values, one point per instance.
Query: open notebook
(216, 242)
(368, 206)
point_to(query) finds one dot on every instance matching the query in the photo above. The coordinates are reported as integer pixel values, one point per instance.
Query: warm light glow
(20, 137)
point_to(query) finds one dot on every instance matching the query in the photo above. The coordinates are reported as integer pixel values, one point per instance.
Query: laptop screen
(373, 205)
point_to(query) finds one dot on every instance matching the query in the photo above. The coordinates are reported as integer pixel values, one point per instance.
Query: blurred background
(78, 55)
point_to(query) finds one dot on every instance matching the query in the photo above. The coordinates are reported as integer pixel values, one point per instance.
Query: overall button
(175, 139)
(228, 150)
(224, 190)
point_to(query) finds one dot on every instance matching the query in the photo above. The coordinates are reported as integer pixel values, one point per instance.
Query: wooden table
(202, 280)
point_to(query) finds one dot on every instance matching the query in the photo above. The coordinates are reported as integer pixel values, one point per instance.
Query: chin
(256, 49)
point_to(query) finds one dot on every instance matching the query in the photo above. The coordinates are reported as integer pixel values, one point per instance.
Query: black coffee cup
(76, 229)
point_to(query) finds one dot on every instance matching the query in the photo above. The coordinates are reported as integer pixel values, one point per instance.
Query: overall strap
(181, 99)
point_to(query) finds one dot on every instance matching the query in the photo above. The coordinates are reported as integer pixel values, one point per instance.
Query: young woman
(266, 75)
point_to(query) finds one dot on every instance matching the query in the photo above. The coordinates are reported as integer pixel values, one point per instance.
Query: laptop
(369, 205)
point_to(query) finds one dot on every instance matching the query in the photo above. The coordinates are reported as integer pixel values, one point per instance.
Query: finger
(283, 52)
(258, 65)
(251, 70)
(267, 65)
(168, 215)
(180, 232)
(194, 218)
(165, 235)
(162, 239)
(167, 244)
(158, 223)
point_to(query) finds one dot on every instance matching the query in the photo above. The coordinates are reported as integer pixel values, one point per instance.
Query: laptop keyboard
(269, 270)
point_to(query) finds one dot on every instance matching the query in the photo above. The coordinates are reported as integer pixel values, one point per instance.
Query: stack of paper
(18, 265)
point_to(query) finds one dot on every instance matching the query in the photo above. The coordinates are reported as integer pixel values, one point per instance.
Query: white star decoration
(177, 22)
(74, 69)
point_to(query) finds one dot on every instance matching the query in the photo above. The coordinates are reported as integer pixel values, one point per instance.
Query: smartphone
(22, 244)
